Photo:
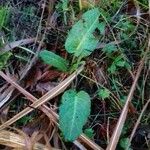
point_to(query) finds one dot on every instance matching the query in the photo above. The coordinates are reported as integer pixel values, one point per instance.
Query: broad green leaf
(121, 62)
(123, 100)
(127, 65)
(125, 25)
(4, 58)
(51, 58)
(24, 120)
(104, 93)
(73, 112)
(81, 40)
(119, 58)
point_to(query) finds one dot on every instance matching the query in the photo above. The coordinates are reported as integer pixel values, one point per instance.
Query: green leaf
(81, 41)
(104, 93)
(51, 58)
(112, 69)
(101, 27)
(73, 112)
(4, 16)
(109, 48)
(24, 120)
(65, 5)
(124, 143)
(121, 63)
(4, 58)
(89, 132)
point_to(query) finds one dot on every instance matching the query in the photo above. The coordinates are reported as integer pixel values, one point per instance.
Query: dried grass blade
(89, 142)
(16, 141)
(6, 95)
(12, 45)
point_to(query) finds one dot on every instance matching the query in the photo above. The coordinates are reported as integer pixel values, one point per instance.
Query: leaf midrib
(83, 39)
(74, 114)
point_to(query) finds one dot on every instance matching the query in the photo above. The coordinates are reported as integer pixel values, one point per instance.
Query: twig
(17, 141)
(15, 44)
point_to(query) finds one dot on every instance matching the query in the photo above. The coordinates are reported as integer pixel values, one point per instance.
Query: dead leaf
(50, 75)
(44, 87)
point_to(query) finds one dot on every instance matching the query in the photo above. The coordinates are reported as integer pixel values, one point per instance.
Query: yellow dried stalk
(17, 142)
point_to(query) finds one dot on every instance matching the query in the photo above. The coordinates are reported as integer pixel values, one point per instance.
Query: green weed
(4, 16)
